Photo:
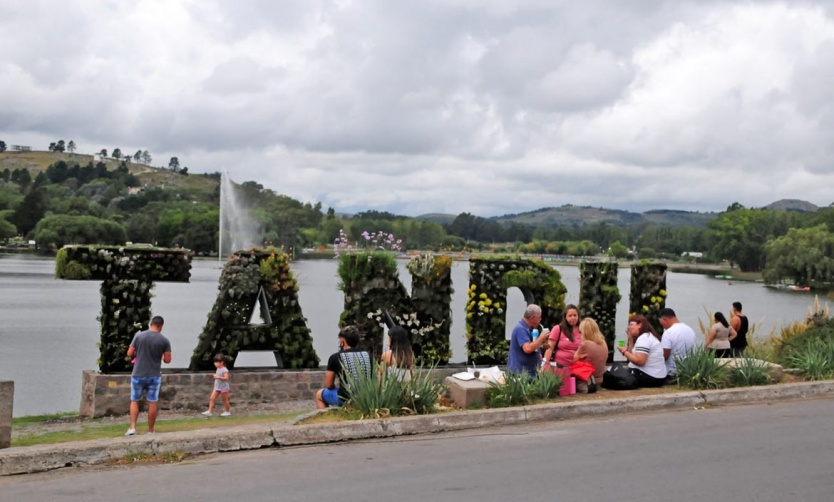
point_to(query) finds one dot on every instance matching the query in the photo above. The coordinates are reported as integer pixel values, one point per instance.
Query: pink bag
(568, 387)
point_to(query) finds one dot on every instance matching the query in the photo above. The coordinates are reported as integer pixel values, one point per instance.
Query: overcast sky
(489, 107)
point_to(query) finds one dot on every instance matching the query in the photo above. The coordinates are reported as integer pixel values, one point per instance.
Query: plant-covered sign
(598, 297)
(489, 280)
(648, 291)
(128, 275)
(257, 279)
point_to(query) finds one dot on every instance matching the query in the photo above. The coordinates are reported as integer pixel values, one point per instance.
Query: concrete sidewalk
(32, 459)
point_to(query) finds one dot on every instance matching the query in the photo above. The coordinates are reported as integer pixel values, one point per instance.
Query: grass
(87, 430)
(37, 419)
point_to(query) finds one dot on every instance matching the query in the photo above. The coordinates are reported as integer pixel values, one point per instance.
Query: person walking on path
(221, 386)
(739, 322)
(150, 348)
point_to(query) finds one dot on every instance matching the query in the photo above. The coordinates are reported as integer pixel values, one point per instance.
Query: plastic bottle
(534, 334)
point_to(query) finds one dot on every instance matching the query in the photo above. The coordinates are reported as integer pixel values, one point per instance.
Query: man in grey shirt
(150, 348)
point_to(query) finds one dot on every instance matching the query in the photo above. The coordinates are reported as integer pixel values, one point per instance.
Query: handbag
(619, 377)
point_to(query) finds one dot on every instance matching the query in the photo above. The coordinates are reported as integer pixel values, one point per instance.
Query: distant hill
(37, 161)
(585, 215)
(440, 218)
(795, 205)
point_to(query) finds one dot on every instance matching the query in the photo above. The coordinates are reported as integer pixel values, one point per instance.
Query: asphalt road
(779, 452)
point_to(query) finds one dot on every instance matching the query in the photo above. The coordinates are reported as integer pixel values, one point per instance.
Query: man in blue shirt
(524, 349)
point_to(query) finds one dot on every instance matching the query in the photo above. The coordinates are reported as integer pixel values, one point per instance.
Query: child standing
(221, 386)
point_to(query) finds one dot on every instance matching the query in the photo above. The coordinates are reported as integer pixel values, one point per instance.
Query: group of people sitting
(397, 361)
(650, 356)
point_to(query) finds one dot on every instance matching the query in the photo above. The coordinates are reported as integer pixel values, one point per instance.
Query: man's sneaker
(226, 414)
(206, 413)
(151, 433)
(130, 432)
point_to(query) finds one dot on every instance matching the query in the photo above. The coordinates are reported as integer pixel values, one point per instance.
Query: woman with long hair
(399, 358)
(592, 348)
(719, 337)
(564, 339)
(644, 353)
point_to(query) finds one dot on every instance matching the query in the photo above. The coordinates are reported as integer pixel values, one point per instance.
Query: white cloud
(484, 107)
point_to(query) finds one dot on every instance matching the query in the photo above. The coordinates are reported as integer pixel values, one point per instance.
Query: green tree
(740, 235)
(7, 228)
(60, 146)
(2, 146)
(71, 147)
(804, 256)
(58, 230)
(117, 153)
(618, 250)
(146, 157)
(137, 156)
(103, 152)
(31, 210)
(174, 164)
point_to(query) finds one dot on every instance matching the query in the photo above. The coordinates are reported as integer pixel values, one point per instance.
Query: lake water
(49, 331)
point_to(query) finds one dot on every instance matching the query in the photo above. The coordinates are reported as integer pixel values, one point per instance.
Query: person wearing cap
(738, 321)
(677, 340)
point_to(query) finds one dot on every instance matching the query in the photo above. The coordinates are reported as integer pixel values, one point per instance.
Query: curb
(31, 459)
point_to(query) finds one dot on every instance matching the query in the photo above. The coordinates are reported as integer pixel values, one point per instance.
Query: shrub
(748, 372)
(547, 385)
(375, 395)
(699, 369)
(422, 392)
(381, 394)
(515, 391)
(814, 361)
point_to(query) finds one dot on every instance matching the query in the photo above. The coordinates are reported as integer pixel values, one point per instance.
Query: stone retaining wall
(6, 408)
(181, 390)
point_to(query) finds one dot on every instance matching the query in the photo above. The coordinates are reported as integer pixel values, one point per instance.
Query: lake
(49, 332)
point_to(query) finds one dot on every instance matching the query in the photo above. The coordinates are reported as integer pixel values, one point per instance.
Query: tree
(117, 153)
(174, 164)
(618, 250)
(51, 147)
(804, 256)
(740, 235)
(60, 146)
(137, 156)
(58, 230)
(71, 147)
(146, 157)
(31, 210)
(103, 152)
(2, 146)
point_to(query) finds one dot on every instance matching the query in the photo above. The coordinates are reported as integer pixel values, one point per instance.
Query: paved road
(780, 452)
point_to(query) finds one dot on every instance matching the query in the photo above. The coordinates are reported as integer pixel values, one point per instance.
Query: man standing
(150, 348)
(739, 323)
(524, 349)
(349, 360)
(677, 340)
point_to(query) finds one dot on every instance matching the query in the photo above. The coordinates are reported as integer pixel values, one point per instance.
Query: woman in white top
(720, 335)
(644, 353)
(399, 358)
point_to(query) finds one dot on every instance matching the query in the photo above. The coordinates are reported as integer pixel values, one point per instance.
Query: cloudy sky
(489, 107)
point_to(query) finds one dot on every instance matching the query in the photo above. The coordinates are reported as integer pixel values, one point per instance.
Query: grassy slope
(38, 161)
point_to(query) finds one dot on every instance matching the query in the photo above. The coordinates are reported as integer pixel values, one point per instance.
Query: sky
(479, 106)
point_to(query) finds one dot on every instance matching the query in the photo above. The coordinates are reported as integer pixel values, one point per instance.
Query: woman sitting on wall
(564, 340)
(644, 353)
(399, 358)
(592, 348)
(719, 336)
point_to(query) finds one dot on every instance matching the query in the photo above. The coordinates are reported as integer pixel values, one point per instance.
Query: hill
(796, 205)
(570, 215)
(37, 161)
(439, 218)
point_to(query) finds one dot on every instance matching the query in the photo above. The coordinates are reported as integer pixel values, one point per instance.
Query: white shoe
(130, 432)
(206, 413)
(226, 414)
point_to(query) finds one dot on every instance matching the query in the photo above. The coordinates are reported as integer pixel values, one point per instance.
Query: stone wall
(109, 394)
(6, 408)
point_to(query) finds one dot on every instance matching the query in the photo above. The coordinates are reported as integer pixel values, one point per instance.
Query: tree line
(783, 245)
